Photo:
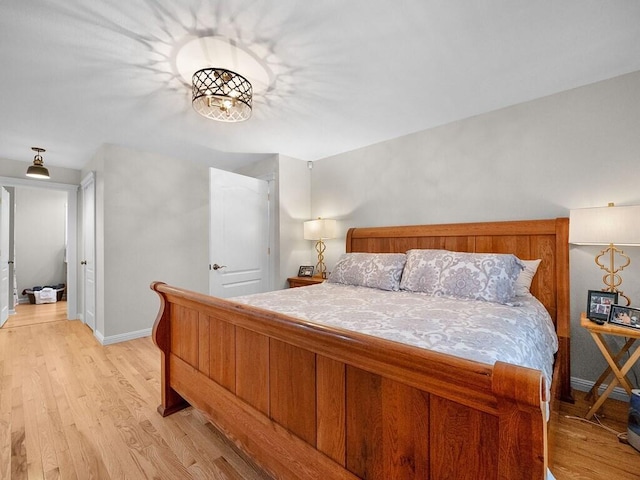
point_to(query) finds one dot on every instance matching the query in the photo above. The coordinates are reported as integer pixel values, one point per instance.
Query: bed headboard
(527, 239)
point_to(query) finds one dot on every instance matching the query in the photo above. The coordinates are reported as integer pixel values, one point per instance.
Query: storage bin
(59, 288)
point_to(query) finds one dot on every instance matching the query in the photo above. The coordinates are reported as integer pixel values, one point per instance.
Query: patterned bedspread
(471, 329)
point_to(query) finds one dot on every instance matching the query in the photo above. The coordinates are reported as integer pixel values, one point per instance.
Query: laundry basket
(34, 295)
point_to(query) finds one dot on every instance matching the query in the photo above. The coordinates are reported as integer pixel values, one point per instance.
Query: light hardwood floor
(72, 409)
(584, 451)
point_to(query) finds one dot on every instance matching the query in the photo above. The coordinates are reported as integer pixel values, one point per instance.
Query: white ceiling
(76, 74)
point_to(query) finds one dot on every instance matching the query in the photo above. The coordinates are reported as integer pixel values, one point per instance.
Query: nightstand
(303, 281)
(619, 371)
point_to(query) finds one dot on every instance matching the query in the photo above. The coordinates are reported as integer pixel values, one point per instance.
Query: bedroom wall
(295, 208)
(152, 224)
(578, 148)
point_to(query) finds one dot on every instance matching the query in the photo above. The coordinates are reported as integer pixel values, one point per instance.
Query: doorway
(70, 230)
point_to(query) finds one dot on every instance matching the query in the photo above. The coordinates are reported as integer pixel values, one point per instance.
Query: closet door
(89, 251)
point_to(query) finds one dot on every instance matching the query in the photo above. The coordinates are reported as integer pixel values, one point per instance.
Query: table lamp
(319, 230)
(609, 226)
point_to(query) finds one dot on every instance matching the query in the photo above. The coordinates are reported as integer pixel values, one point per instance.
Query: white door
(89, 251)
(238, 235)
(4, 256)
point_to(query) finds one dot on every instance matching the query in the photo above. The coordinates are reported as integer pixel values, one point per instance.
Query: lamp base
(612, 278)
(321, 268)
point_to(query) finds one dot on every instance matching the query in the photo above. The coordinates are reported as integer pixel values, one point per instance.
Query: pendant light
(38, 170)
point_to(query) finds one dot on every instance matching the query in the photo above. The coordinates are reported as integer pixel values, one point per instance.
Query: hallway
(29, 314)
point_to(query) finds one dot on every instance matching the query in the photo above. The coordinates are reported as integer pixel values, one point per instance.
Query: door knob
(215, 266)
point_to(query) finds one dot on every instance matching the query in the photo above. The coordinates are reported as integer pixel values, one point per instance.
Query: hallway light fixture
(608, 226)
(221, 95)
(319, 230)
(37, 170)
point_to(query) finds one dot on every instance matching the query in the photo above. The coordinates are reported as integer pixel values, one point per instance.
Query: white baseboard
(618, 393)
(122, 337)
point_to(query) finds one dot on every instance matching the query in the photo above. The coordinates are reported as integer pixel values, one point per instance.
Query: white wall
(152, 224)
(152, 217)
(295, 208)
(39, 235)
(575, 149)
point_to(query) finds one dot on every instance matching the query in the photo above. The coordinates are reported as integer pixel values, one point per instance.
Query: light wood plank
(252, 368)
(73, 409)
(331, 400)
(31, 314)
(293, 394)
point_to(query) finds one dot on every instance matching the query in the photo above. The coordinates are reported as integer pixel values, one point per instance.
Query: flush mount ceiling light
(37, 170)
(221, 95)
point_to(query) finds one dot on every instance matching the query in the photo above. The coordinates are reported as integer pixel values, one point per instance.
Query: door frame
(72, 233)
(5, 254)
(89, 179)
(274, 253)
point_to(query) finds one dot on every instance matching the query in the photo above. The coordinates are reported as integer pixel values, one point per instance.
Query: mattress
(521, 334)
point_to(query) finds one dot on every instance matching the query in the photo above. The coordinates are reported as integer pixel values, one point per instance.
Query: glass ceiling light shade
(319, 230)
(37, 170)
(221, 95)
(609, 226)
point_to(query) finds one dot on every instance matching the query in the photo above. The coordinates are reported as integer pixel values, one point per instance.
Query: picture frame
(599, 304)
(625, 316)
(305, 271)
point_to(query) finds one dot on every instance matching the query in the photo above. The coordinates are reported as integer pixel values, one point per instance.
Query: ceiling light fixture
(37, 170)
(221, 95)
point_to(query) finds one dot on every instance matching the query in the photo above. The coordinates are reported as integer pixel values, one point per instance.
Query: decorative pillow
(523, 283)
(422, 271)
(374, 270)
(478, 276)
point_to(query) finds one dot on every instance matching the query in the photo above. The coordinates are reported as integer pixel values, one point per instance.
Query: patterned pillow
(374, 270)
(422, 271)
(478, 276)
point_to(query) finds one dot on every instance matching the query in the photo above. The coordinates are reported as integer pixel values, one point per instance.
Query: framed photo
(305, 271)
(625, 316)
(599, 304)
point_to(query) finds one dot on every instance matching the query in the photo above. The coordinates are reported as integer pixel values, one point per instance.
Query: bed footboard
(311, 402)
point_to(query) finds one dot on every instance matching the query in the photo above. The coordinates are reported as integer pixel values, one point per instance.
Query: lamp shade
(320, 229)
(605, 226)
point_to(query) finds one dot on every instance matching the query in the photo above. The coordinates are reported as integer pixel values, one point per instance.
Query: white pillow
(523, 282)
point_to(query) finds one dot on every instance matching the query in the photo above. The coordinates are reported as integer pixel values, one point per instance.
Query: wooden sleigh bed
(311, 402)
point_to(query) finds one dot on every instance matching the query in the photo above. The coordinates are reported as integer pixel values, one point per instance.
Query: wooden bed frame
(313, 402)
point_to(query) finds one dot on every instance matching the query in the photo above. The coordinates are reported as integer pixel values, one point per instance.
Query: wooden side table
(303, 281)
(613, 359)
